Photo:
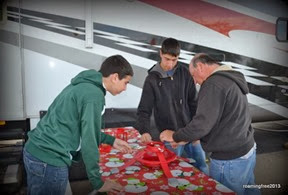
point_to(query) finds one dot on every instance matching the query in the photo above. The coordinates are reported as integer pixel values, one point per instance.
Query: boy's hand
(146, 137)
(111, 186)
(122, 146)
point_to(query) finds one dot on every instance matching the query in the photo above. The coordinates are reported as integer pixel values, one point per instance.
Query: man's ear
(200, 66)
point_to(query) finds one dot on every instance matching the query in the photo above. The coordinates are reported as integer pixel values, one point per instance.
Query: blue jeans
(197, 153)
(44, 179)
(178, 151)
(236, 173)
(193, 151)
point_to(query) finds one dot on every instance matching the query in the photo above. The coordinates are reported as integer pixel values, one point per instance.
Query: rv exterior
(44, 44)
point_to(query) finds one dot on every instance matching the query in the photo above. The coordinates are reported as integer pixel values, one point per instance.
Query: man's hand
(167, 135)
(146, 137)
(111, 186)
(122, 146)
(175, 145)
(194, 143)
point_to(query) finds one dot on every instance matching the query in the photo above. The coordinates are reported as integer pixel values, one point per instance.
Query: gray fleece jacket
(222, 121)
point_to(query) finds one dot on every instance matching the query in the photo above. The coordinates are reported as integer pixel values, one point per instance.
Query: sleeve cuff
(111, 141)
(176, 137)
(108, 139)
(98, 185)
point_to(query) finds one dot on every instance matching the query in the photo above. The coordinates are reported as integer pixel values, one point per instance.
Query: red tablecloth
(140, 179)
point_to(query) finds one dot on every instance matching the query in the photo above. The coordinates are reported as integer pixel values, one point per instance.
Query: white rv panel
(11, 93)
(45, 78)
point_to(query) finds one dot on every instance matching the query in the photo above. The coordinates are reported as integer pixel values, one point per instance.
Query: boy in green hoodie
(71, 126)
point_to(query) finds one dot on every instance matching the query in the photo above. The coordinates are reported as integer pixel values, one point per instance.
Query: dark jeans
(44, 179)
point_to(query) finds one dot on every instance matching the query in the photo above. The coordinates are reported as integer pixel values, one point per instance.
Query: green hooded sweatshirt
(73, 123)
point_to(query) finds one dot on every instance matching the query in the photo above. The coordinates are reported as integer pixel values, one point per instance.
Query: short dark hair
(116, 64)
(203, 58)
(170, 46)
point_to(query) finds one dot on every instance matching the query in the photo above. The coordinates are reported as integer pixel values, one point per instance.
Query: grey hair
(203, 58)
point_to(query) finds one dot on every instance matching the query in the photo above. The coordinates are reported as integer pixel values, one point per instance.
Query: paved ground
(272, 157)
(271, 169)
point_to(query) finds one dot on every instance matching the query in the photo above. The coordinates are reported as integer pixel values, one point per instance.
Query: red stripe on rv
(212, 16)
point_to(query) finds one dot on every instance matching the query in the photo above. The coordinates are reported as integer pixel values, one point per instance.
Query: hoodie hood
(236, 76)
(160, 72)
(89, 76)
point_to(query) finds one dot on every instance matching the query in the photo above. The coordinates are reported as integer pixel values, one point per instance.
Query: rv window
(3, 7)
(282, 29)
(1, 11)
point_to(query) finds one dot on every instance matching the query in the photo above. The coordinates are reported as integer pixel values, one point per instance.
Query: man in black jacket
(169, 92)
(222, 123)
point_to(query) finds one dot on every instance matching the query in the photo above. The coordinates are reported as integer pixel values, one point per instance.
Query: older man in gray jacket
(223, 124)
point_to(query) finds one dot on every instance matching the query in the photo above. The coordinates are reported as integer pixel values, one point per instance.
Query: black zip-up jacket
(222, 121)
(171, 98)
